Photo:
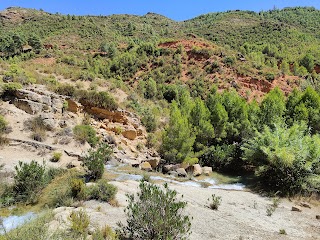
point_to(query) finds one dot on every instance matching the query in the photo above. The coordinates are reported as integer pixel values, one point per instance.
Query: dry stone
(207, 170)
(153, 162)
(197, 170)
(181, 172)
(146, 166)
(296, 209)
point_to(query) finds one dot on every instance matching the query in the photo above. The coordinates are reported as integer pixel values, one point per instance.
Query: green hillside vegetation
(193, 83)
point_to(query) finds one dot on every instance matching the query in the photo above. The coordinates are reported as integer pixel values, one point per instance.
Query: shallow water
(13, 222)
(207, 182)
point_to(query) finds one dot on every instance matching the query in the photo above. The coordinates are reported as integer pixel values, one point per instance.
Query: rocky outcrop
(112, 116)
(36, 100)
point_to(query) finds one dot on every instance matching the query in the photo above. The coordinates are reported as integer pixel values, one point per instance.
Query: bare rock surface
(241, 215)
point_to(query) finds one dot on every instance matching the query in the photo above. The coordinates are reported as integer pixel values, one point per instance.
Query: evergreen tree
(272, 107)
(177, 139)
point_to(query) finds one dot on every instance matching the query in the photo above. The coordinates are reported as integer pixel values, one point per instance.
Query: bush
(97, 99)
(96, 159)
(286, 159)
(85, 133)
(78, 188)
(155, 213)
(28, 181)
(79, 222)
(56, 157)
(104, 233)
(102, 191)
(215, 202)
(10, 88)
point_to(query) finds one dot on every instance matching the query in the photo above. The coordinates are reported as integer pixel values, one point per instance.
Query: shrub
(105, 233)
(85, 133)
(10, 88)
(28, 181)
(270, 77)
(282, 231)
(215, 202)
(56, 157)
(78, 188)
(229, 61)
(97, 99)
(96, 159)
(155, 213)
(285, 158)
(102, 191)
(79, 222)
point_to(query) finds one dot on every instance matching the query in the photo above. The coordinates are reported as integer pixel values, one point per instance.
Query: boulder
(167, 168)
(181, 172)
(197, 170)
(207, 170)
(296, 209)
(153, 162)
(130, 134)
(318, 217)
(146, 166)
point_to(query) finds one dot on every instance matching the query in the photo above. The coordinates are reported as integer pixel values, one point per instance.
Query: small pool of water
(13, 222)
(207, 182)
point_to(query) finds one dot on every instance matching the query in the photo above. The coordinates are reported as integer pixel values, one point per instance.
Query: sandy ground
(241, 215)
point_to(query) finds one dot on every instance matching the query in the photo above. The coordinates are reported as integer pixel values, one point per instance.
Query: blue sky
(175, 9)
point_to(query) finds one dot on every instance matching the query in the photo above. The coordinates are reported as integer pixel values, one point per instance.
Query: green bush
(10, 88)
(85, 133)
(28, 181)
(97, 99)
(96, 159)
(78, 188)
(56, 156)
(79, 222)
(155, 213)
(102, 191)
(286, 159)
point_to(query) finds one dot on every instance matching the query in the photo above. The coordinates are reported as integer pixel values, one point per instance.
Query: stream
(207, 182)
(12, 222)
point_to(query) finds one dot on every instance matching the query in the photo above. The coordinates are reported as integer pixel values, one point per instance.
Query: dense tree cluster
(279, 136)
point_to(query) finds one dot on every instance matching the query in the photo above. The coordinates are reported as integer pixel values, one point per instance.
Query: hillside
(225, 103)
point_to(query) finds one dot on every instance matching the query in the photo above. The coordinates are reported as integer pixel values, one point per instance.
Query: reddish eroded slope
(250, 87)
